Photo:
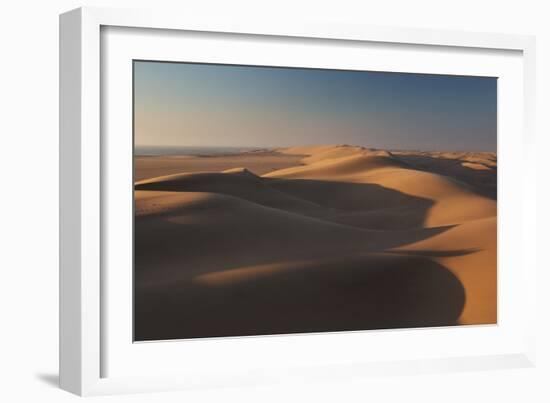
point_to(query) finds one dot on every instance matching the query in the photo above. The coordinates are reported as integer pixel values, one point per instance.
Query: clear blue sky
(187, 104)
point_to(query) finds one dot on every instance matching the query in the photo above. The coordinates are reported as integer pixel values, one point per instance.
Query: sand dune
(452, 201)
(237, 182)
(336, 238)
(360, 167)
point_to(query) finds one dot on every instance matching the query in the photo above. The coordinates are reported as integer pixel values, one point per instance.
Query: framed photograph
(253, 202)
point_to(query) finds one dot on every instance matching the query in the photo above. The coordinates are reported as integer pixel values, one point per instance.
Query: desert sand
(312, 239)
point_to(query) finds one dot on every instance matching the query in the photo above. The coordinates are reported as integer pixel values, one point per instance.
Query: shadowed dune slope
(373, 292)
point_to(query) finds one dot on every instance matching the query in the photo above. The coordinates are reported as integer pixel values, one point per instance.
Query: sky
(203, 105)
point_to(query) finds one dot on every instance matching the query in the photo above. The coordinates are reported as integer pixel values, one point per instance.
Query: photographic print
(277, 200)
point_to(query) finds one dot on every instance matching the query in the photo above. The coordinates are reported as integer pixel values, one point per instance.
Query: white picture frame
(85, 346)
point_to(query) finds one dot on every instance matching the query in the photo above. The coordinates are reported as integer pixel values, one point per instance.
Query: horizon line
(312, 145)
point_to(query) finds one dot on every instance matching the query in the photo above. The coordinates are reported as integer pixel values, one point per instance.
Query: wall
(28, 202)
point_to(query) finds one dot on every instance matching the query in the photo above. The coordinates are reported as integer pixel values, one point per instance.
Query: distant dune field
(313, 239)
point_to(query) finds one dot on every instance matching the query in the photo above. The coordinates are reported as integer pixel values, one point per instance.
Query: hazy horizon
(222, 106)
(175, 149)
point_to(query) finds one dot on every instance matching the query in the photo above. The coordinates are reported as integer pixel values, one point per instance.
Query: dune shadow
(364, 205)
(374, 292)
(347, 196)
